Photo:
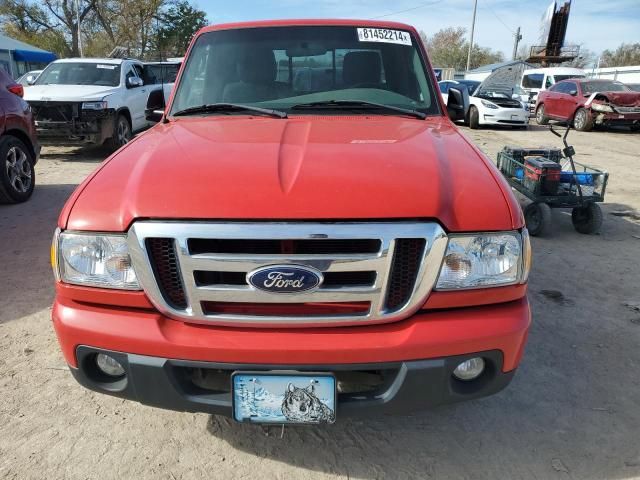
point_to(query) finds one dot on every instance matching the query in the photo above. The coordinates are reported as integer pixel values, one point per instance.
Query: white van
(537, 79)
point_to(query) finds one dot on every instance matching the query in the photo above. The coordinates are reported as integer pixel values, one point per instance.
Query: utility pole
(473, 27)
(518, 37)
(79, 31)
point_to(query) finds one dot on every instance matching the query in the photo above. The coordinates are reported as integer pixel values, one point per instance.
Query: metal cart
(578, 187)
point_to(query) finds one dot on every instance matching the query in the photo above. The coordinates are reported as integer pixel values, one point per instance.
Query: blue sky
(598, 24)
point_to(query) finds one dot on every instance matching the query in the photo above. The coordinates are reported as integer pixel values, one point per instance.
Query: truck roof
(114, 61)
(556, 70)
(309, 22)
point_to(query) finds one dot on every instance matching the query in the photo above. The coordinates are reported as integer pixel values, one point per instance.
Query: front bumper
(404, 386)
(506, 116)
(81, 127)
(628, 119)
(418, 354)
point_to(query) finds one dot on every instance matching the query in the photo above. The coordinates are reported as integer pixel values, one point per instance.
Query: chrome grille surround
(380, 262)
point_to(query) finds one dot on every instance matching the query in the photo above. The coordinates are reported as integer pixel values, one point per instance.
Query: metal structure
(554, 30)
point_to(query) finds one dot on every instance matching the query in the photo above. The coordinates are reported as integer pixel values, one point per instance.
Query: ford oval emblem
(285, 279)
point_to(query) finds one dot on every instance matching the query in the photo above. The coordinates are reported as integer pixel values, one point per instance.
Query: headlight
(94, 106)
(599, 107)
(488, 104)
(485, 260)
(96, 260)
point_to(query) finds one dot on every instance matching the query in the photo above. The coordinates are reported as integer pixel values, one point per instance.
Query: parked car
(162, 73)
(495, 108)
(29, 78)
(589, 103)
(444, 86)
(284, 256)
(90, 101)
(536, 80)
(19, 148)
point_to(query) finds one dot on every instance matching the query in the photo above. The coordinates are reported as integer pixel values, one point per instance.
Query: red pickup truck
(304, 235)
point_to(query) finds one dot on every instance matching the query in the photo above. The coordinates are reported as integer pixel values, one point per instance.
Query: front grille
(54, 111)
(406, 263)
(373, 272)
(349, 383)
(627, 109)
(162, 253)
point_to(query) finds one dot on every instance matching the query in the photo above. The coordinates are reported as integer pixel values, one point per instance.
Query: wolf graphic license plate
(283, 398)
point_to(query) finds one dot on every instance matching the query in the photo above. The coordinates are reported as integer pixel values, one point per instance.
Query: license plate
(515, 117)
(283, 398)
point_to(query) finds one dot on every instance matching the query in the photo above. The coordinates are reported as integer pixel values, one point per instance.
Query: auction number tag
(384, 35)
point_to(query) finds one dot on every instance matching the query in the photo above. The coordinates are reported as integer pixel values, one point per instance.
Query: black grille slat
(164, 260)
(331, 279)
(283, 247)
(206, 278)
(404, 271)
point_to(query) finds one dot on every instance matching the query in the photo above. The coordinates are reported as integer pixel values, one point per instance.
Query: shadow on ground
(90, 154)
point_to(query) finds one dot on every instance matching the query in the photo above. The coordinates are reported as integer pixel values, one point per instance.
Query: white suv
(90, 101)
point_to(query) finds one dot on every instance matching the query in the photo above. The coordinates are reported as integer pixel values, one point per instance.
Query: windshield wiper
(358, 104)
(228, 107)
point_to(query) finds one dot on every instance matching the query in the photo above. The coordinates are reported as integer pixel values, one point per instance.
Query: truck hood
(622, 99)
(323, 168)
(66, 93)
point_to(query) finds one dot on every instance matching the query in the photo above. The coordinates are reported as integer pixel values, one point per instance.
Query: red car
(19, 148)
(305, 234)
(589, 103)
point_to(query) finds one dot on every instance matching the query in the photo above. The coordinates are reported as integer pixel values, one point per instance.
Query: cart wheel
(587, 219)
(538, 218)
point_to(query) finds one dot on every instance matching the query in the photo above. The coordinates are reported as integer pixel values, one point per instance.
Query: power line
(498, 18)
(408, 9)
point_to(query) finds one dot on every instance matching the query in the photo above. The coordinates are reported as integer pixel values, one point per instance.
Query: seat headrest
(258, 65)
(361, 68)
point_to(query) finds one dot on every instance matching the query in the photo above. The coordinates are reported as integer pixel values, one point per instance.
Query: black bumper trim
(418, 384)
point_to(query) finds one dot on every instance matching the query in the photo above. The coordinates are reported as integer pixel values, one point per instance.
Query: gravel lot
(571, 412)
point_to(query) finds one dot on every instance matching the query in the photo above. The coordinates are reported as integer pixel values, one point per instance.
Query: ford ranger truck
(304, 236)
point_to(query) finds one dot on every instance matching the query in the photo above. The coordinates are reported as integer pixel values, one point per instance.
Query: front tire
(587, 219)
(583, 121)
(474, 118)
(537, 216)
(121, 134)
(17, 174)
(541, 118)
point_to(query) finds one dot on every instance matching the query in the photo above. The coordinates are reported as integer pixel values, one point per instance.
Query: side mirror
(134, 82)
(573, 93)
(155, 106)
(458, 103)
(31, 79)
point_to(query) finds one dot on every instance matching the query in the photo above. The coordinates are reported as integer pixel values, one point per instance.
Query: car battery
(542, 175)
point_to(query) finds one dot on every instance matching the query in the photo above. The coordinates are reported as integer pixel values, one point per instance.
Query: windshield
(603, 86)
(559, 78)
(280, 67)
(471, 85)
(81, 73)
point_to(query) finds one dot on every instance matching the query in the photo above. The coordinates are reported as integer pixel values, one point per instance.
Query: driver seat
(257, 71)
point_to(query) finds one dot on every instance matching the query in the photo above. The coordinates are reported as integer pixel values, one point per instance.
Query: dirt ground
(572, 412)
